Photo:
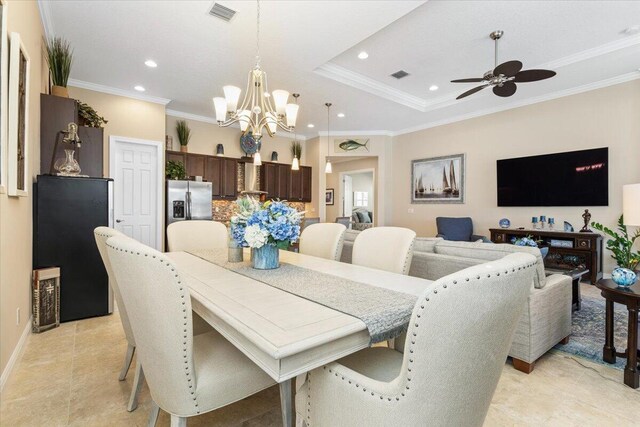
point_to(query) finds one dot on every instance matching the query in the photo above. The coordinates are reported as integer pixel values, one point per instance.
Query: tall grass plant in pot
(59, 57)
(184, 134)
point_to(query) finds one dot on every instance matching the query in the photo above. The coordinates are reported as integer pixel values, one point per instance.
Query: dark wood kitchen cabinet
(195, 164)
(280, 182)
(229, 182)
(221, 172)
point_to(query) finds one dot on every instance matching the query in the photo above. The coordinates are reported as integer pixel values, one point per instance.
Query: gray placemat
(386, 313)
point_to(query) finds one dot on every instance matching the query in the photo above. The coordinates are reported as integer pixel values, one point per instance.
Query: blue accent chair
(458, 229)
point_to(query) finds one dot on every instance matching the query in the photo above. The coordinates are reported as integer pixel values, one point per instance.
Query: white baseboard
(15, 356)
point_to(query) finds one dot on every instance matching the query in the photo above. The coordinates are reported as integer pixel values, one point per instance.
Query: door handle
(119, 220)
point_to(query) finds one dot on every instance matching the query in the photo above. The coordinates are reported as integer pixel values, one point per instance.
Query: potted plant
(296, 150)
(89, 117)
(174, 170)
(59, 58)
(265, 228)
(621, 246)
(184, 134)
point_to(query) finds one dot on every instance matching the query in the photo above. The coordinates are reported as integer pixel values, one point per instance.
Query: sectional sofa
(547, 318)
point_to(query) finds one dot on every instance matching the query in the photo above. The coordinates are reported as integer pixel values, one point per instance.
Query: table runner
(386, 313)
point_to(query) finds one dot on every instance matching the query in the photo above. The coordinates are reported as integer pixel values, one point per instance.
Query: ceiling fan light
(232, 95)
(280, 98)
(220, 105)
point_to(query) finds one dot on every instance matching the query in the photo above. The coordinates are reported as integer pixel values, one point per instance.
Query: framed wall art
(18, 126)
(328, 198)
(438, 179)
(4, 80)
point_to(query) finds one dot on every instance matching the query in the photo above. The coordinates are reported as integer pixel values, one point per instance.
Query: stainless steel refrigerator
(188, 200)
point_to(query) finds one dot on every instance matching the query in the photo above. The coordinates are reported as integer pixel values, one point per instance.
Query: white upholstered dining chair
(323, 240)
(187, 375)
(459, 335)
(196, 234)
(101, 235)
(384, 248)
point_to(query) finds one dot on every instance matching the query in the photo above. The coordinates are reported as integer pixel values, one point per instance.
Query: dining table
(285, 334)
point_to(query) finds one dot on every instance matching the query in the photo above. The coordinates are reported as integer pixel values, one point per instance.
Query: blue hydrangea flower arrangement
(272, 223)
(527, 240)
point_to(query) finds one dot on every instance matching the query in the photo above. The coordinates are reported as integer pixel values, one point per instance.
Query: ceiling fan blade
(474, 80)
(472, 91)
(533, 75)
(507, 89)
(509, 68)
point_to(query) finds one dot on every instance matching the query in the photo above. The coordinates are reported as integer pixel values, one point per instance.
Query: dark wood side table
(630, 297)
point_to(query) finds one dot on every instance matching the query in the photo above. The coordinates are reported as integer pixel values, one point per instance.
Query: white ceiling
(311, 47)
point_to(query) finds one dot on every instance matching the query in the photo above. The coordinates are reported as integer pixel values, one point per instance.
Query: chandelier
(259, 109)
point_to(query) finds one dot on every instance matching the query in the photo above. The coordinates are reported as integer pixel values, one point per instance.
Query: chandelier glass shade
(259, 109)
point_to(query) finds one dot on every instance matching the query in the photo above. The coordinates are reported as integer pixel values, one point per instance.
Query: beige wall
(312, 159)
(333, 181)
(15, 212)
(127, 117)
(206, 136)
(608, 117)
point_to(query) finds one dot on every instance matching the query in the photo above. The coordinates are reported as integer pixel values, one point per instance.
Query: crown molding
(205, 119)
(115, 91)
(359, 81)
(357, 133)
(623, 78)
(601, 50)
(45, 17)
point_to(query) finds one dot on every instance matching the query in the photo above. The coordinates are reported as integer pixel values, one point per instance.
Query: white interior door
(135, 166)
(347, 195)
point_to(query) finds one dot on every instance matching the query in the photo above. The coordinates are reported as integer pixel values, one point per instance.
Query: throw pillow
(361, 217)
(367, 217)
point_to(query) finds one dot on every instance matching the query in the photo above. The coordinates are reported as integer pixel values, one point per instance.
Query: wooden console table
(582, 250)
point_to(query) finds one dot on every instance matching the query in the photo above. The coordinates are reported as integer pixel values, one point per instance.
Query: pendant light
(295, 164)
(257, 160)
(327, 167)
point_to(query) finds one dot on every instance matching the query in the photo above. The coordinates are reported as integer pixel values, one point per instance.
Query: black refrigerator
(66, 210)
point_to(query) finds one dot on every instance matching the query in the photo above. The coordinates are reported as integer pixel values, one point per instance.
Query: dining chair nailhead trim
(184, 349)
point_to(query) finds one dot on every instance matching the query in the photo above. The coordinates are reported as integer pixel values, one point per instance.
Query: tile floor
(68, 377)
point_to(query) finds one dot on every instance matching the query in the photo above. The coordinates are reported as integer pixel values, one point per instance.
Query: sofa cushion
(491, 252)
(425, 244)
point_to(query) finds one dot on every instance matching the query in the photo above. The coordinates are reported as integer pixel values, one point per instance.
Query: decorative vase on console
(265, 228)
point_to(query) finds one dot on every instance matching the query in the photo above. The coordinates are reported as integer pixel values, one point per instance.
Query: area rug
(587, 331)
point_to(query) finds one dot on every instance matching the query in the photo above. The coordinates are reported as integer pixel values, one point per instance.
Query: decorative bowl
(623, 277)
(504, 223)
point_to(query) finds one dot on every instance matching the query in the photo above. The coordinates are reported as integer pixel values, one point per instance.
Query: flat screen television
(575, 178)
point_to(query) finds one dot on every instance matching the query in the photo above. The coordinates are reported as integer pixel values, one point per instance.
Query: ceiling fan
(503, 77)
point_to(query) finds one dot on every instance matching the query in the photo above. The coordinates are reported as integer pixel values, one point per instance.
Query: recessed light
(341, 115)
(150, 63)
(139, 88)
(433, 88)
(363, 55)
(310, 125)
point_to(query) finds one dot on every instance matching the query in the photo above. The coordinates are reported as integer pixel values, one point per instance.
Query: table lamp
(631, 204)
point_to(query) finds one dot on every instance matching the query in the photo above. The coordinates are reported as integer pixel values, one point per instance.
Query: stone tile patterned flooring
(69, 377)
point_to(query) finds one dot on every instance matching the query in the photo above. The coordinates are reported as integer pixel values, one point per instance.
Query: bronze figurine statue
(586, 216)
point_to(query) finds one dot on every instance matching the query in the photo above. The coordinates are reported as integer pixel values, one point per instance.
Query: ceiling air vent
(222, 12)
(400, 74)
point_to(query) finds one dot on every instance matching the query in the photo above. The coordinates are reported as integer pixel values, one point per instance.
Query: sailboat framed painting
(438, 179)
